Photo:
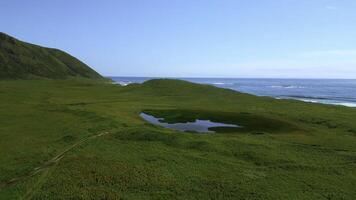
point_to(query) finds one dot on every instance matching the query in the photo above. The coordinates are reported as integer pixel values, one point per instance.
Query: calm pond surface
(201, 126)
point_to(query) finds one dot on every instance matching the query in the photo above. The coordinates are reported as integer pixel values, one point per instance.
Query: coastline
(275, 88)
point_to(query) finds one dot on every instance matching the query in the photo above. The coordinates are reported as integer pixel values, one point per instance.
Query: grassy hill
(21, 60)
(80, 139)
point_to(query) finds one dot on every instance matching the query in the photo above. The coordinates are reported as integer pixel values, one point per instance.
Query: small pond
(200, 126)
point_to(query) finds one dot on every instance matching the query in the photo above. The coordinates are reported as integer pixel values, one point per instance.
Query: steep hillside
(21, 60)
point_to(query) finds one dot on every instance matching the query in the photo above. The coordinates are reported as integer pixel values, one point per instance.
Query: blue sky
(194, 38)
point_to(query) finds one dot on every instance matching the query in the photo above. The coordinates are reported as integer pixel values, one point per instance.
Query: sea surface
(326, 91)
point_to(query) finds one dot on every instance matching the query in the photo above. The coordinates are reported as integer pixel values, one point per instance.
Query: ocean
(326, 91)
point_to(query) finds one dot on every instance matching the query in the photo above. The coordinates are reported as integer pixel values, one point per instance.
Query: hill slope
(21, 60)
(84, 139)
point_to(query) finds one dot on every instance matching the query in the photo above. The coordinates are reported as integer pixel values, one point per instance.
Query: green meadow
(84, 139)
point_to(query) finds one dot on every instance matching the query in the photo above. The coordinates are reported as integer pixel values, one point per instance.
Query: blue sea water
(327, 91)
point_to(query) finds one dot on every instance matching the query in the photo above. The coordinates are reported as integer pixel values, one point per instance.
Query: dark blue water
(337, 92)
(200, 126)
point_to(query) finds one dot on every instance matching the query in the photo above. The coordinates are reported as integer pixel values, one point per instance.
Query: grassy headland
(21, 60)
(79, 138)
(84, 139)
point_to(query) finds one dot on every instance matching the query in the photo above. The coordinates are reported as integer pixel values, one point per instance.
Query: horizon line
(177, 77)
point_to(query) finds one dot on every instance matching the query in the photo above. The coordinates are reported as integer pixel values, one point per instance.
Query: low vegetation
(84, 139)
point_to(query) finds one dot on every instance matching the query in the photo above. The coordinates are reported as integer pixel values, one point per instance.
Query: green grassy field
(81, 139)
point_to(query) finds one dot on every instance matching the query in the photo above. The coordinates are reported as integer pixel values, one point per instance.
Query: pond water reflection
(200, 126)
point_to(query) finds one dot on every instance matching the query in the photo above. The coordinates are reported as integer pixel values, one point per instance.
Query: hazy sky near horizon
(194, 38)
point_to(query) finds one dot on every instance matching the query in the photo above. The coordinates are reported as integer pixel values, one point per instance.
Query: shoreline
(326, 101)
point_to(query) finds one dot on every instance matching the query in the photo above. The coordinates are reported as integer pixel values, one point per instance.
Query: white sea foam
(311, 101)
(287, 86)
(122, 83)
(221, 83)
(353, 105)
(347, 104)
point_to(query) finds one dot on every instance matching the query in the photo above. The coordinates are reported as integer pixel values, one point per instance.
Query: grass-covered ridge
(21, 60)
(111, 153)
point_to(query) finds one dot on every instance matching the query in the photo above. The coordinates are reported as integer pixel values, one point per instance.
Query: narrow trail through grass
(47, 165)
(54, 144)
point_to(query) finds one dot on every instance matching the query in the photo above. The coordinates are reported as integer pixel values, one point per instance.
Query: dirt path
(48, 164)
